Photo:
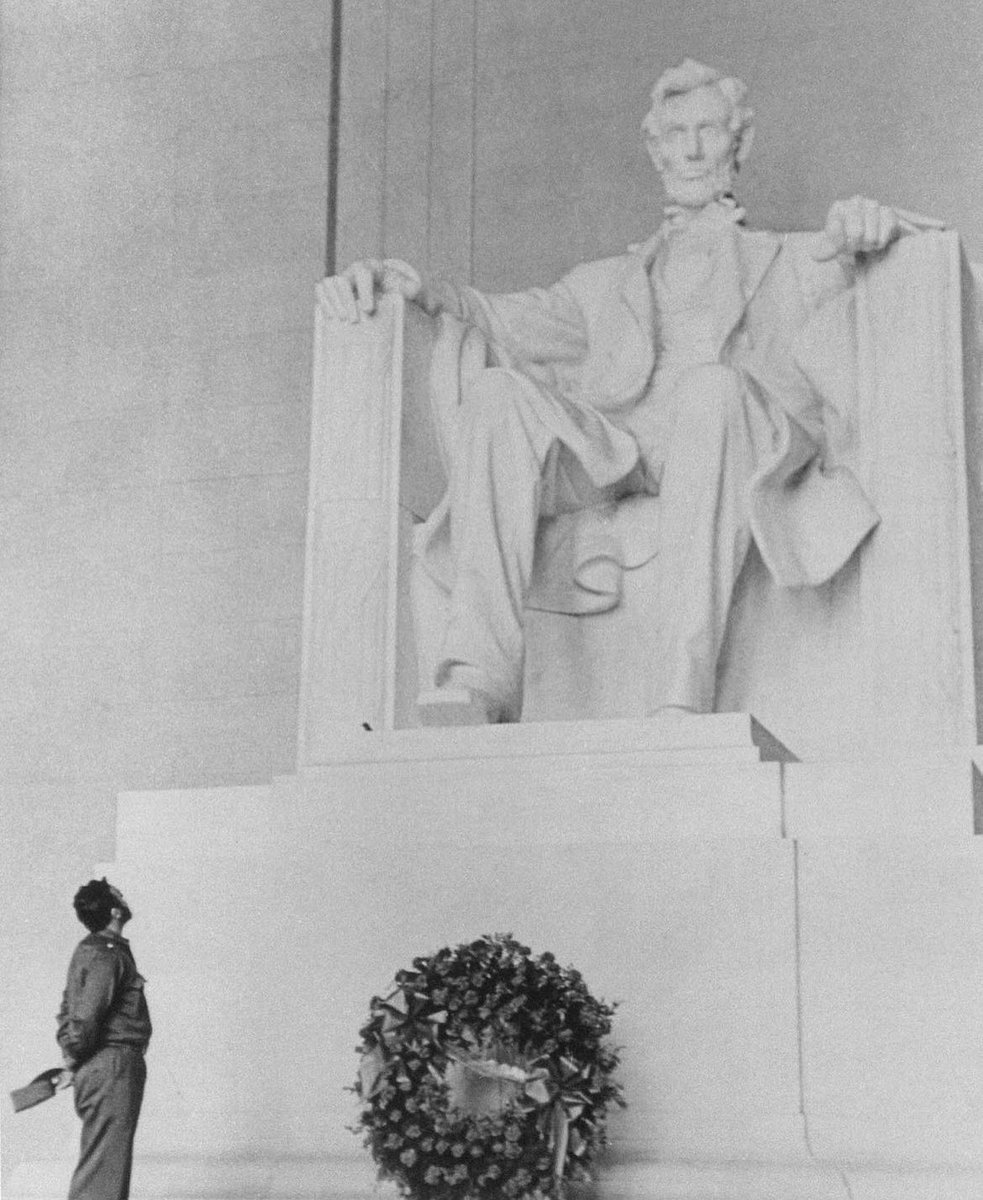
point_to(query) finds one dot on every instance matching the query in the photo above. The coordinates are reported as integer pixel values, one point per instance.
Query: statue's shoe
(458, 706)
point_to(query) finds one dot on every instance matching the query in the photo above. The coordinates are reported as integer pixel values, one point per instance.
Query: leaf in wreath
(391, 1020)
(370, 1072)
(396, 1000)
(537, 1091)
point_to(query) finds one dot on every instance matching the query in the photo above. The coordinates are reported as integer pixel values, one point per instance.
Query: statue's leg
(504, 476)
(501, 449)
(704, 530)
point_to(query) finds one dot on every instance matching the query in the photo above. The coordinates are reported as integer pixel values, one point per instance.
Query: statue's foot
(458, 706)
(675, 710)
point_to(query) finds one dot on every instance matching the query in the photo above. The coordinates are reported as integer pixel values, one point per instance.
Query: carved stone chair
(881, 655)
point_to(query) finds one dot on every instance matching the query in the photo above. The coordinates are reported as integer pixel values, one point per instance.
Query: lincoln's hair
(687, 77)
(94, 903)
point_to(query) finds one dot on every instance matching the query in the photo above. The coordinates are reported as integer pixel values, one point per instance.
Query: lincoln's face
(695, 147)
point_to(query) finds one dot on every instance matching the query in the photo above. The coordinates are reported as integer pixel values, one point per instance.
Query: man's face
(694, 151)
(121, 904)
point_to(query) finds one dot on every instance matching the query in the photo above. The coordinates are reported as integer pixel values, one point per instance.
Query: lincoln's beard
(697, 192)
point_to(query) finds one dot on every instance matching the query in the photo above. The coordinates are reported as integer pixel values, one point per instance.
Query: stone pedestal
(794, 950)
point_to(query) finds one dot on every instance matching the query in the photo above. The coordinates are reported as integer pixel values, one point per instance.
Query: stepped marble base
(794, 948)
(354, 1179)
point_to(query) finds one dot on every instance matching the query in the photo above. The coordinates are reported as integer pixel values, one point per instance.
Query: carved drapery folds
(883, 655)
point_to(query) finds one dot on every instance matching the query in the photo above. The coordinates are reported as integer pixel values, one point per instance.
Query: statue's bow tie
(725, 210)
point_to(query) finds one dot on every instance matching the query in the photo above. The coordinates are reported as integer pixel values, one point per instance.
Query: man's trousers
(108, 1094)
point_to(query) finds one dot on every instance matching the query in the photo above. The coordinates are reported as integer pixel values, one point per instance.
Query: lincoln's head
(698, 132)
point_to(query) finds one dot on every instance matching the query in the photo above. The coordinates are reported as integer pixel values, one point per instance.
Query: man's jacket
(104, 1002)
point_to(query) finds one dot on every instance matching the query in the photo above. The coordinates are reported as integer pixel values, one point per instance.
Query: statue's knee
(711, 392)
(491, 398)
(715, 381)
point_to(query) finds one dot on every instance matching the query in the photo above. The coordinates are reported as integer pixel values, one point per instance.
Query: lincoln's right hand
(65, 1079)
(352, 294)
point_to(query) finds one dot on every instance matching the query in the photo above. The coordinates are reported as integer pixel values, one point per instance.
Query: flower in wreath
(485, 1072)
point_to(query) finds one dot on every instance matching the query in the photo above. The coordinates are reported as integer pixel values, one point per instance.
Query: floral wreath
(484, 1074)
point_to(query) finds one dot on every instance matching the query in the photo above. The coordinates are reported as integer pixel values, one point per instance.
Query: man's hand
(862, 226)
(65, 1079)
(352, 295)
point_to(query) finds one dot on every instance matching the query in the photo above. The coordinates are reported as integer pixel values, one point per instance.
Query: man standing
(103, 1030)
(669, 370)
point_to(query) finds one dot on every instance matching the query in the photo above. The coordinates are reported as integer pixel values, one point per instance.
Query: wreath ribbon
(560, 1140)
(565, 1106)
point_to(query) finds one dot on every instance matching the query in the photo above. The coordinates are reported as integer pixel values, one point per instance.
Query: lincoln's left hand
(862, 226)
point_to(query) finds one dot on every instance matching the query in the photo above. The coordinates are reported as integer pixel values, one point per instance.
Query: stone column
(916, 609)
(349, 601)
(361, 505)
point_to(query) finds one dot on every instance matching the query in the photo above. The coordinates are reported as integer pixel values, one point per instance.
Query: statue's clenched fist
(353, 294)
(862, 226)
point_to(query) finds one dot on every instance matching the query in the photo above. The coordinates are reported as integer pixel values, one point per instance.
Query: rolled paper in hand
(41, 1087)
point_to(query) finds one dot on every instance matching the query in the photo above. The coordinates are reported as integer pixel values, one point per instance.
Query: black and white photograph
(491, 599)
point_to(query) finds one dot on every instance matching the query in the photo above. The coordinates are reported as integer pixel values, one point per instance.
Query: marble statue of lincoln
(669, 370)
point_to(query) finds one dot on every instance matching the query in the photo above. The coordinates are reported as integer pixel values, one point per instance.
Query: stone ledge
(714, 737)
(813, 1181)
(929, 797)
(203, 1178)
(353, 1178)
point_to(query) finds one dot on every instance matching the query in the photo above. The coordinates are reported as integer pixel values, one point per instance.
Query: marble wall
(163, 208)
(499, 139)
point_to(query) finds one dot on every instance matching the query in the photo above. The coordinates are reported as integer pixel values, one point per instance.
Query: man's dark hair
(94, 903)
